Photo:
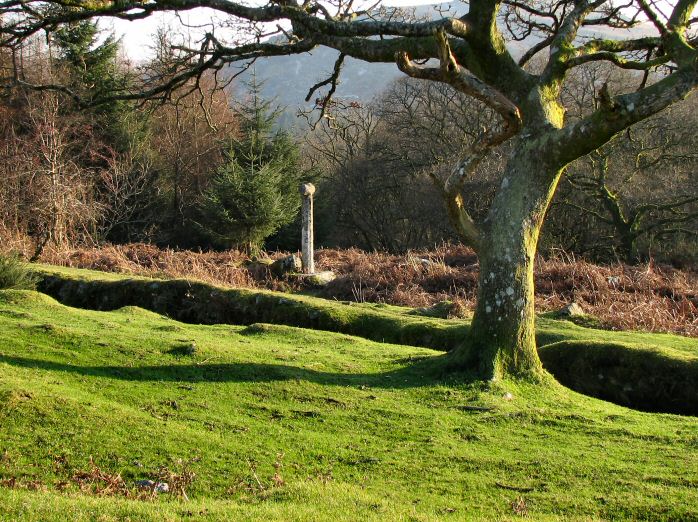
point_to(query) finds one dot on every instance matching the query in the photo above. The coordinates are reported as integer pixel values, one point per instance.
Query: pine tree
(94, 73)
(91, 65)
(255, 192)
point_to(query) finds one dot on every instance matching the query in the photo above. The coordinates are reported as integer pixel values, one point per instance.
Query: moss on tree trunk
(502, 337)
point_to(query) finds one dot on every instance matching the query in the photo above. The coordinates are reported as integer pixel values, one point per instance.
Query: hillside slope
(282, 423)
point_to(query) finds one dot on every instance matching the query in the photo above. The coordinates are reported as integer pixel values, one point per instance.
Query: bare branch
(653, 17)
(332, 81)
(619, 61)
(450, 72)
(586, 135)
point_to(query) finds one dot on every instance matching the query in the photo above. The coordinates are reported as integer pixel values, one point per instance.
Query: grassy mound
(201, 303)
(643, 377)
(270, 422)
(649, 297)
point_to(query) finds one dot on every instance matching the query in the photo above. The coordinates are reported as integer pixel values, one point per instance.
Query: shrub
(15, 274)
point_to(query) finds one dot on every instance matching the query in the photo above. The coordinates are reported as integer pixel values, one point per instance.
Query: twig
(520, 489)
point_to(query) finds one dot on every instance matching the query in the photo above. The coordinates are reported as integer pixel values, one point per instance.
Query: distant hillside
(288, 78)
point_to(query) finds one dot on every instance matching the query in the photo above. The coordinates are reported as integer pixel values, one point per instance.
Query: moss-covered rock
(443, 309)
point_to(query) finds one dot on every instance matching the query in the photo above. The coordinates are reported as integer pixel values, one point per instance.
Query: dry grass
(99, 482)
(11, 241)
(417, 279)
(142, 259)
(647, 297)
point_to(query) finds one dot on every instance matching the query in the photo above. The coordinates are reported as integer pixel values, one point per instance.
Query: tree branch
(589, 211)
(618, 61)
(647, 9)
(332, 81)
(559, 48)
(451, 73)
(589, 133)
(643, 209)
(680, 18)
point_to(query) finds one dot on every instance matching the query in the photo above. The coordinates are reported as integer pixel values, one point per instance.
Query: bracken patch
(647, 297)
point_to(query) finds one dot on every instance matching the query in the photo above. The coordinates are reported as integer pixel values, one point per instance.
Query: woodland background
(195, 183)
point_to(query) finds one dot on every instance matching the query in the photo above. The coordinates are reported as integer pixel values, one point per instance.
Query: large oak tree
(470, 53)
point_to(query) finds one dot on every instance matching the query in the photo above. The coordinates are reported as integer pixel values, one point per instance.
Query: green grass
(628, 368)
(16, 274)
(355, 430)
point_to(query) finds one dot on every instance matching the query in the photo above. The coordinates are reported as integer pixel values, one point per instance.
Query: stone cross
(307, 190)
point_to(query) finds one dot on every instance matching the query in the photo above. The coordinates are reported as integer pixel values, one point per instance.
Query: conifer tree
(93, 73)
(255, 192)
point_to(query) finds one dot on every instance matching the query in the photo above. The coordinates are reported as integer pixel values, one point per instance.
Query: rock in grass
(571, 310)
(158, 487)
(258, 268)
(442, 310)
(316, 280)
(286, 265)
(320, 279)
(262, 267)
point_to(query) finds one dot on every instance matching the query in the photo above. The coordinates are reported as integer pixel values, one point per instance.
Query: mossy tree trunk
(502, 336)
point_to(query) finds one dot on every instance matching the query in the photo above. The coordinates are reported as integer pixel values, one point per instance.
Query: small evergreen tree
(91, 65)
(255, 192)
(93, 72)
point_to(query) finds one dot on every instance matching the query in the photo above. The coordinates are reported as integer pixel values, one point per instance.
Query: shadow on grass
(416, 372)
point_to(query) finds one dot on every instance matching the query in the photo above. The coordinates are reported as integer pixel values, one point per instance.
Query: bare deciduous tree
(638, 192)
(388, 161)
(63, 206)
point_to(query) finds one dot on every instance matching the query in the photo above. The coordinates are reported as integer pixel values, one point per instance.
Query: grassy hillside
(653, 372)
(284, 423)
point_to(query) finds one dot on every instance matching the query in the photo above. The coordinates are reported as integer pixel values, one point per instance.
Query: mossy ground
(352, 429)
